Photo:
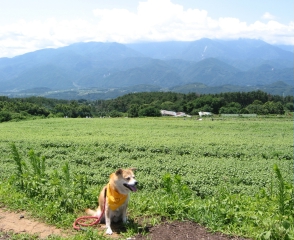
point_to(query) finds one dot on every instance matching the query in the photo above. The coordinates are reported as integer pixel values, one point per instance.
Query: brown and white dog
(116, 196)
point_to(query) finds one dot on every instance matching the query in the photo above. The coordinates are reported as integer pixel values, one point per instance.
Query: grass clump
(58, 194)
(267, 215)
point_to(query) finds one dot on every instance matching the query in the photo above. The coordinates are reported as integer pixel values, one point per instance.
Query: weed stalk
(281, 189)
(19, 164)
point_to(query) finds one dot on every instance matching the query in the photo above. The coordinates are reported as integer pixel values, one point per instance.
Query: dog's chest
(116, 215)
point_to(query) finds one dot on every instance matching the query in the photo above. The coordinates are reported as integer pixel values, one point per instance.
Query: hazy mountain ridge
(208, 48)
(167, 64)
(277, 88)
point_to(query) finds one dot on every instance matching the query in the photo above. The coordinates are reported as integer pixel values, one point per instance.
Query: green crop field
(231, 175)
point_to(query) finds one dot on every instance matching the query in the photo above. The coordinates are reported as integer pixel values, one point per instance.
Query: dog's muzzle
(132, 187)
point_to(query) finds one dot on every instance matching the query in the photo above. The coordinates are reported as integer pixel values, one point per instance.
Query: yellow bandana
(115, 199)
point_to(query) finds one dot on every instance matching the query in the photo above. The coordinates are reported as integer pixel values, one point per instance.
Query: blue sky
(29, 25)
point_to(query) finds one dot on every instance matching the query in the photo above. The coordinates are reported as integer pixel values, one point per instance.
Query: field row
(206, 154)
(224, 174)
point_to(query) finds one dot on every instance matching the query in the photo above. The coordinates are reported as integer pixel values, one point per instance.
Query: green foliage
(290, 106)
(144, 104)
(177, 197)
(37, 164)
(285, 193)
(218, 173)
(64, 193)
(19, 164)
(5, 116)
(115, 113)
(149, 111)
(231, 108)
(133, 110)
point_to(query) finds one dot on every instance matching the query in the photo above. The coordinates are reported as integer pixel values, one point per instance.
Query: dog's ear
(118, 172)
(133, 169)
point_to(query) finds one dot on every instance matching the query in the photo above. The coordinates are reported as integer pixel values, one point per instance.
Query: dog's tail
(90, 212)
(93, 213)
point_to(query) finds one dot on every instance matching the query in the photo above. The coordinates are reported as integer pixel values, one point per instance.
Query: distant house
(174, 114)
(182, 114)
(167, 113)
(204, 114)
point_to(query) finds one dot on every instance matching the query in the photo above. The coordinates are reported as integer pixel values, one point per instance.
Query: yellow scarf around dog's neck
(115, 199)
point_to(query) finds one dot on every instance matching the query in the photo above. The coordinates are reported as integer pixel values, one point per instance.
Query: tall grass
(19, 164)
(64, 193)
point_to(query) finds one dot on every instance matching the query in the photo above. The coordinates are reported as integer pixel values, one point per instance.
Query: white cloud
(268, 16)
(154, 20)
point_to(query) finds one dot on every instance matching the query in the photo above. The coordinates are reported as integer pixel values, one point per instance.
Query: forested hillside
(165, 66)
(145, 104)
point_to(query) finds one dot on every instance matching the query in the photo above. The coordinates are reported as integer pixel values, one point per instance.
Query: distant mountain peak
(166, 64)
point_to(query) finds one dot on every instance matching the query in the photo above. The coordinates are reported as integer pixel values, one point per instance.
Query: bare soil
(183, 231)
(19, 222)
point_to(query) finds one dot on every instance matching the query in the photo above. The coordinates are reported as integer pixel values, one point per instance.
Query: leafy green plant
(220, 173)
(37, 164)
(281, 190)
(19, 164)
(63, 193)
(177, 197)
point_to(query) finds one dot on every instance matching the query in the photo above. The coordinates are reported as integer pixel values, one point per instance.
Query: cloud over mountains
(153, 20)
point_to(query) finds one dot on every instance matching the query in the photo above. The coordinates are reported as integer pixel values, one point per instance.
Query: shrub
(149, 112)
(5, 116)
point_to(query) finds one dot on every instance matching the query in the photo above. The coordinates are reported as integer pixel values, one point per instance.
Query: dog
(115, 195)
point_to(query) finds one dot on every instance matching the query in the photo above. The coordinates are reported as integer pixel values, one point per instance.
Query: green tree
(115, 113)
(231, 108)
(290, 106)
(133, 110)
(168, 105)
(149, 111)
(274, 107)
(5, 116)
(256, 109)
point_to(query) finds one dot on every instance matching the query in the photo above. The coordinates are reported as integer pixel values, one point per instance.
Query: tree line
(146, 104)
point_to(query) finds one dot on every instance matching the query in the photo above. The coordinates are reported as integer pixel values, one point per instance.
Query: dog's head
(124, 180)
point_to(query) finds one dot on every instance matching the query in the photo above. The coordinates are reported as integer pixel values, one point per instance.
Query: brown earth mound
(183, 231)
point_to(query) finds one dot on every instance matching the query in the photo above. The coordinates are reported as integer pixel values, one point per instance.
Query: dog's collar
(114, 198)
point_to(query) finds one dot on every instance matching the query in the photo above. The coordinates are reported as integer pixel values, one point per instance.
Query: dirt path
(19, 222)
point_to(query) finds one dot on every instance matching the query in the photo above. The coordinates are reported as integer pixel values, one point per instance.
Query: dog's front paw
(125, 220)
(109, 231)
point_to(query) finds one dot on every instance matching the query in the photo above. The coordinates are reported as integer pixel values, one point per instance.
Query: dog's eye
(128, 178)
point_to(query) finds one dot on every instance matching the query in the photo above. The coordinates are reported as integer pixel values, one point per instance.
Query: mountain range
(241, 65)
